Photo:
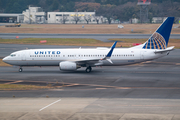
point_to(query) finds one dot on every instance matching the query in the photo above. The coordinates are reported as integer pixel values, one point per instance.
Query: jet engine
(68, 66)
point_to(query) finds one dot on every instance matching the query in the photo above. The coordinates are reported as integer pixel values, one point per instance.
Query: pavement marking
(144, 63)
(14, 82)
(98, 87)
(160, 62)
(50, 104)
(71, 85)
(147, 88)
(101, 88)
(125, 87)
(101, 106)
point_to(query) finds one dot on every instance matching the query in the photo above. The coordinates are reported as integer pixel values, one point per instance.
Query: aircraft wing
(97, 61)
(92, 62)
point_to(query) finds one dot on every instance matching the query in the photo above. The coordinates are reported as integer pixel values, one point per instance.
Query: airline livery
(72, 59)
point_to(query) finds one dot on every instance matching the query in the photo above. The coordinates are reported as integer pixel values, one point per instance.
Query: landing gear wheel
(88, 69)
(20, 69)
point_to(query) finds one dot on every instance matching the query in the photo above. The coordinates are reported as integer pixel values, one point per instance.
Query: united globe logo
(156, 41)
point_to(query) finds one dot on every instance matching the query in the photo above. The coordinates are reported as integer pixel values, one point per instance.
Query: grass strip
(22, 87)
(52, 41)
(82, 42)
(57, 41)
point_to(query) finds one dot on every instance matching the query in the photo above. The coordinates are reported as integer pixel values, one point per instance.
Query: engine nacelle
(68, 66)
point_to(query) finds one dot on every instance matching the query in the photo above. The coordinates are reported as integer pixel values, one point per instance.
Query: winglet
(110, 53)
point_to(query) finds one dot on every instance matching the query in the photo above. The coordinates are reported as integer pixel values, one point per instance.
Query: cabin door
(142, 55)
(23, 57)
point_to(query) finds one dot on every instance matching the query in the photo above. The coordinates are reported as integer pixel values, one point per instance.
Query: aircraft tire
(20, 69)
(88, 69)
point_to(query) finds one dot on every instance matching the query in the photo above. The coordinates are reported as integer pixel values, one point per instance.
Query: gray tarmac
(101, 37)
(149, 90)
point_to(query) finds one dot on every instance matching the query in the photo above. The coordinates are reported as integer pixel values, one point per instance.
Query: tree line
(122, 10)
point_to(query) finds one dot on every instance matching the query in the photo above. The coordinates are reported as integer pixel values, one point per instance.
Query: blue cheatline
(160, 38)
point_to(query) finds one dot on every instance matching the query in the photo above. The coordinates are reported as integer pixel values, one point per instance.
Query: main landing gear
(88, 69)
(20, 69)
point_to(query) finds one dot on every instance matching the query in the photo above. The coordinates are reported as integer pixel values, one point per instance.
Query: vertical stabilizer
(160, 38)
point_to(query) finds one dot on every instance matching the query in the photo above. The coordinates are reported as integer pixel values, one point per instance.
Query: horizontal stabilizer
(164, 50)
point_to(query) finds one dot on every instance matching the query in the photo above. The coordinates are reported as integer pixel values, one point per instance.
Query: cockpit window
(13, 55)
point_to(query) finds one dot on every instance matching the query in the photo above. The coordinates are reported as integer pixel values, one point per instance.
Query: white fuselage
(52, 57)
(72, 59)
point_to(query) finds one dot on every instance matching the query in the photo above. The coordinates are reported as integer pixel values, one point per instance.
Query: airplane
(73, 59)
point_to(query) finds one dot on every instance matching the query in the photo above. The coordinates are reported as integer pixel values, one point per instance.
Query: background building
(71, 17)
(158, 19)
(134, 20)
(11, 18)
(34, 15)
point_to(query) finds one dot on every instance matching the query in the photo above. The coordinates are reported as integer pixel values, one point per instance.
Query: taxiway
(102, 37)
(149, 90)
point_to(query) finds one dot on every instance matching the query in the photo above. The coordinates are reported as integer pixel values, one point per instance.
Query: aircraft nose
(4, 59)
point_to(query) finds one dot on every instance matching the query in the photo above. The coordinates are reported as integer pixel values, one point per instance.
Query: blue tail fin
(160, 38)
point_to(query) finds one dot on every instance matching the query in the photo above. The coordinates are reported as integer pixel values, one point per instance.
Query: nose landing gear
(20, 69)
